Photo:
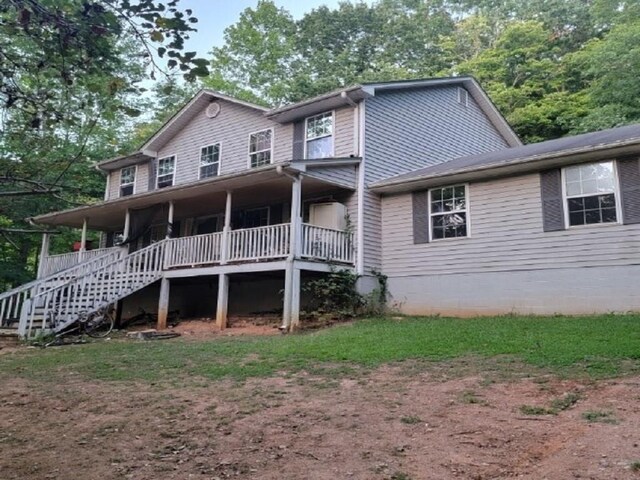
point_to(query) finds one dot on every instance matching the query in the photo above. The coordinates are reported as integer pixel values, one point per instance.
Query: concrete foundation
(545, 292)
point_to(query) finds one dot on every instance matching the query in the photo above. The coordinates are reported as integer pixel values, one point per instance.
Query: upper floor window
(448, 212)
(166, 171)
(260, 148)
(210, 161)
(127, 180)
(319, 136)
(590, 194)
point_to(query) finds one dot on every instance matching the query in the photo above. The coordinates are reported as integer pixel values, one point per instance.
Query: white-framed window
(590, 194)
(319, 136)
(210, 161)
(166, 171)
(260, 148)
(448, 212)
(127, 180)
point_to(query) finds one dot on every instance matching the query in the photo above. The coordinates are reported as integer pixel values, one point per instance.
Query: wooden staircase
(55, 303)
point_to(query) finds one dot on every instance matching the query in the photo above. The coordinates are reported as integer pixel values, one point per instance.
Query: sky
(216, 15)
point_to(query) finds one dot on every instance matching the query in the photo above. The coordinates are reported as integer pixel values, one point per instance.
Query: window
(260, 144)
(448, 212)
(590, 194)
(319, 136)
(127, 180)
(256, 217)
(210, 161)
(166, 171)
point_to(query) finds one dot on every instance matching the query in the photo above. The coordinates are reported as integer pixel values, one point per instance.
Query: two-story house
(229, 204)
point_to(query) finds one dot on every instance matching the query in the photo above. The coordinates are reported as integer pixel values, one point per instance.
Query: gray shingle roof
(523, 154)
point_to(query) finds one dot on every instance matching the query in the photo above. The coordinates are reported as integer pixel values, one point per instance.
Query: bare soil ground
(393, 423)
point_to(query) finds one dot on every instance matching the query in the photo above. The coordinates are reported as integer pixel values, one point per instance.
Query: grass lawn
(591, 346)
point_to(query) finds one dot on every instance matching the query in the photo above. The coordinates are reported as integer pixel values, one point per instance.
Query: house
(229, 204)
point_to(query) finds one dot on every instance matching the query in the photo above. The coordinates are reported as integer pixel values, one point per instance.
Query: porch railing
(196, 250)
(57, 263)
(259, 243)
(326, 244)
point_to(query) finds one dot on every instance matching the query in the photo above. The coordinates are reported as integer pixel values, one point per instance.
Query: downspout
(360, 191)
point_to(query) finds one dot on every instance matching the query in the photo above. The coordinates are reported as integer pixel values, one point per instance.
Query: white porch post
(291, 307)
(44, 253)
(163, 304)
(127, 225)
(83, 239)
(223, 301)
(224, 244)
(170, 220)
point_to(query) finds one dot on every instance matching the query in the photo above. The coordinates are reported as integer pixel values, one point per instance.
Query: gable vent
(212, 110)
(463, 97)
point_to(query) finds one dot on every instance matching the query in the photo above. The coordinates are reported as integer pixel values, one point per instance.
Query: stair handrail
(12, 300)
(152, 256)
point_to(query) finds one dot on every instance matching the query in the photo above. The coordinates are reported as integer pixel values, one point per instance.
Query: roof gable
(186, 114)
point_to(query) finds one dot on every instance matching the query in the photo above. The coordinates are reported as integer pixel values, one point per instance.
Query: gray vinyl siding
(344, 176)
(142, 178)
(345, 144)
(113, 187)
(231, 128)
(410, 129)
(506, 235)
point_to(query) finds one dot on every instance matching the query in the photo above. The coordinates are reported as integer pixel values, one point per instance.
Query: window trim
(616, 193)
(219, 144)
(333, 133)
(135, 178)
(175, 167)
(249, 152)
(467, 211)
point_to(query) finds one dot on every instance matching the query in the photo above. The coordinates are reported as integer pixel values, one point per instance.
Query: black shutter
(152, 175)
(110, 237)
(629, 174)
(421, 217)
(551, 193)
(275, 215)
(298, 140)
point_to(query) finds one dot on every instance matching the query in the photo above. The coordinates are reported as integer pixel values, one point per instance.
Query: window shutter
(110, 237)
(552, 208)
(629, 174)
(420, 217)
(152, 174)
(298, 140)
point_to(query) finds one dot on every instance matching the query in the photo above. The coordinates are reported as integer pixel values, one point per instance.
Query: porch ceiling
(258, 187)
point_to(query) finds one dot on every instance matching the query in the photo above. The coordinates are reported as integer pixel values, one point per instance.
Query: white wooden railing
(12, 302)
(59, 307)
(321, 243)
(56, 263)
(259, 243)
(196, 250)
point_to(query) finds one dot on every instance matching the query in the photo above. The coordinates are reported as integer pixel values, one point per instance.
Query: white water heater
(328, 215)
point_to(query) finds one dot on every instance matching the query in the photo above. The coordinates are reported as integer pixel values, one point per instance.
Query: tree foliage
(546, 63)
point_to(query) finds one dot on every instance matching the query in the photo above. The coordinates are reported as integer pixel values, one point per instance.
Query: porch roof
(257, 187)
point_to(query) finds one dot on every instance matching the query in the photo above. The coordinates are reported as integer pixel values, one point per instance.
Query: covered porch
(276, 219)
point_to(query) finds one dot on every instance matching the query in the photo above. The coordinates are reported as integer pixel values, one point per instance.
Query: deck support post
(83, 239)
(224, 244)
(291, 307)
(223, 301)
(163, 304)
(44, 253)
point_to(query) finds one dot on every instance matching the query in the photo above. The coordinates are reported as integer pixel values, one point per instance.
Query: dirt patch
(382, 425)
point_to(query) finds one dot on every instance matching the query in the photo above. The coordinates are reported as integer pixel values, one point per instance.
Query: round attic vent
(213, 110)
